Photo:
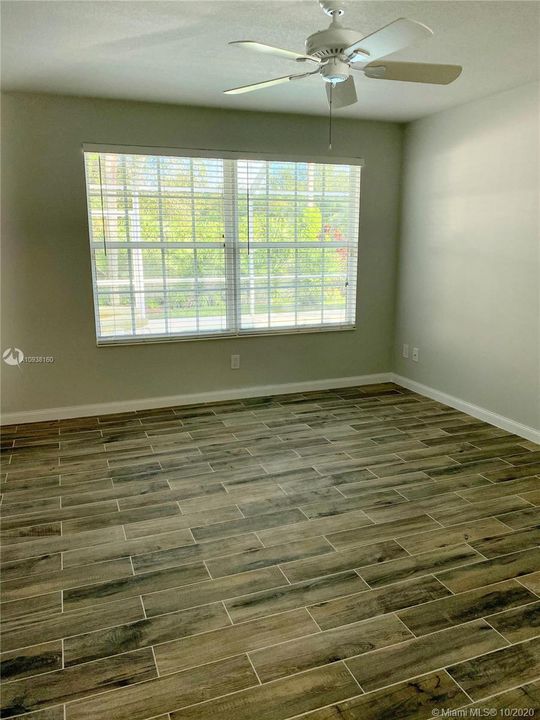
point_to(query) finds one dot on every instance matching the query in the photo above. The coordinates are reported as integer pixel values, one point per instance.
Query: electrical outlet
(405, 351)
(415, 354)
(235, 362)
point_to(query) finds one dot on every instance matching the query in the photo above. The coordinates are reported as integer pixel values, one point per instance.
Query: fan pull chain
(247, 207)
(102, 210)
(330, 118)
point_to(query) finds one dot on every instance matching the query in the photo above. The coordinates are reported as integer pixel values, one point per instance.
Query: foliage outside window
(186, 247)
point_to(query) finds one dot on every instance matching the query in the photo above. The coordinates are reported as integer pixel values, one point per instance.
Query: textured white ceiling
(177, 52)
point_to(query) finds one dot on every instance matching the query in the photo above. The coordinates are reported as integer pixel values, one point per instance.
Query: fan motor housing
(331, 42)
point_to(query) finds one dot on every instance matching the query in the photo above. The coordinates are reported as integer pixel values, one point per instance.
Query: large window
(186, 247)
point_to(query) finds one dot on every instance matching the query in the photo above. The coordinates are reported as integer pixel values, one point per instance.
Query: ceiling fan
(338, 50)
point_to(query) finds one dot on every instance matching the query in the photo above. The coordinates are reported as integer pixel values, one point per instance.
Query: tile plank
(500, 670)
(292, 596)
(524, 697)
(518, 624)
(383, 531)
(279, 700)
(511, 542)
(82, 597)
(275, 555)
(69, 684)
(364, 605)
(157, 603)
(405, 568)
(29, 629)
(454, 535)
(502, 567)
(420, 655)
(422, 698)
(471, 605)
(233, 640)
(143, 633)
(30, 661)
(329, 646)
(168, 693)
(19, 588)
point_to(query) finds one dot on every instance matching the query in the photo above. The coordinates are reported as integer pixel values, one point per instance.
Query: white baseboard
(74, 411)
(475, 410)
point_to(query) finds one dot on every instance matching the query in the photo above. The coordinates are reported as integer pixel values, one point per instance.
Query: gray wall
(469, 255)
(46, 285)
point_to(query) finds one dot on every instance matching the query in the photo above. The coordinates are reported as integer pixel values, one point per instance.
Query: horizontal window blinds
(196, 246)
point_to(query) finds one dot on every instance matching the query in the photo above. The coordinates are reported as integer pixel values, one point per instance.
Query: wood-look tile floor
(363, 553)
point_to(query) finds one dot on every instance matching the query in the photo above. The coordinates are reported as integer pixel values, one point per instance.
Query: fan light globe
(335, 71)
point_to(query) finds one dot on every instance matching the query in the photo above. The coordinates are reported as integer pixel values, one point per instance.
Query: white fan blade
(271, 50)
(264, 84)
(342, 94)
(413, 72)
(389, 39)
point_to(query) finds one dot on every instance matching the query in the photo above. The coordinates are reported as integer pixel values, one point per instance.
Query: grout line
(262, 545)
(253, 667)
(316, 623)
(446, 586)
(143, 609)
(351, 674)
(485, 557)
(210, 576)
(410, 554)
(485, 619)
(281, 571)
(155, 661)
(517, 579)
(432, 518)
(459, 686)
(228, 615)
(395, 614)
(190, 530)
(334, 547)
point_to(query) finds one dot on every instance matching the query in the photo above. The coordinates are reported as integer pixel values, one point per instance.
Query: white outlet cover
(405, 351)
(415, 354)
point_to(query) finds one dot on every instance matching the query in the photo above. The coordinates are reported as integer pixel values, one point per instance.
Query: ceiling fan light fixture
(335, 70)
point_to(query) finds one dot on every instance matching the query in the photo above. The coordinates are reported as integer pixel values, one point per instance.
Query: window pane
(297, 228)
(115, 316)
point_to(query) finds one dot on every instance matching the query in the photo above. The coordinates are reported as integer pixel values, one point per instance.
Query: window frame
(231, 244)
